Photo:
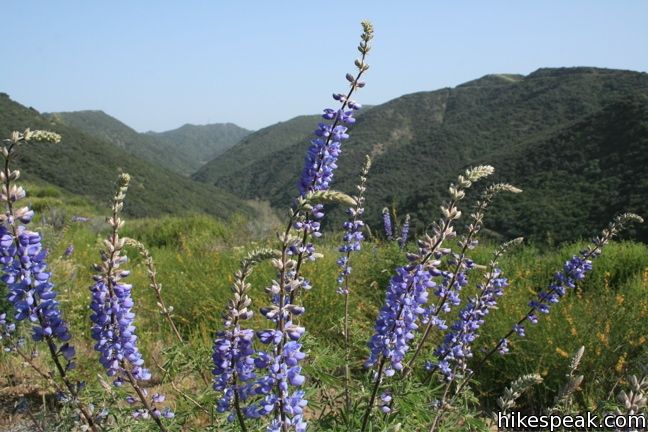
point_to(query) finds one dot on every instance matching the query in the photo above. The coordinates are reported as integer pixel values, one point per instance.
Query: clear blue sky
(159, 64)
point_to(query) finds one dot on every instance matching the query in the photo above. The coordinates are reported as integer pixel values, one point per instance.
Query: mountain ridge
(85, 165)
(422, 140)
(181, 150)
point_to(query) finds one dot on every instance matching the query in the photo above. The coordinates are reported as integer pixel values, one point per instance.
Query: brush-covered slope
(421, 141)
(261, 145)
(201, 143)
(86, 165)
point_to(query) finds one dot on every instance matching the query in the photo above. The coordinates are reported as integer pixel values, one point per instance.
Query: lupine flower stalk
(26, 274)
(453, 281)
(165, 311)
(353, 238)
(573, 271)
(402, 240)
(456, 348)
(564, 397)
(113, 318)
(233, 353)
(387, 224)
(508, 400)
(407, 291)
(280, 384)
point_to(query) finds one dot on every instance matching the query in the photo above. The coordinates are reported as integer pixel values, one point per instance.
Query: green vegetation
(571, 138)
(85, 165)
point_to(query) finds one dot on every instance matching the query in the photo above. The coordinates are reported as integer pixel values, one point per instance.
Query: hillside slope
(258, 146)
(108, 129)
(421, 141)
(201, 143)
(85, 165)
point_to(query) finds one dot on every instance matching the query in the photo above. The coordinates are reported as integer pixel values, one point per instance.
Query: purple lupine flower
(456, 348)
(407, 292)
(113, 324)
(282, 368)
(402, 241)
(112, 316)
(573, 271)
(31, 292)
(7, 329)
(282, 379)
(68, 251)
(398, 319)
(80, 219)
(385, 402)
(387, 224)
(353, 236)
(453, 281)
(234, 355)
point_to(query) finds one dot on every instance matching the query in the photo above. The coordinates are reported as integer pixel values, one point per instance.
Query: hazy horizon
(159, 65)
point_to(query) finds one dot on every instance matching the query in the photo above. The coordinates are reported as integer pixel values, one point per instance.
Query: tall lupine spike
(113, 319)
(26, 274)
(387, 224)
(573, 271)
(353, 236)
(456, 348)
(407, 291)
(166, 311)
(280, 385)
(402, 240)
(353, 239)
(233, 353)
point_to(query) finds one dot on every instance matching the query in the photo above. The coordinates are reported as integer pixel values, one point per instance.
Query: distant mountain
(256, 147)
(182, 150)
(201, 143)
(106, 128)
(556, 133)
(87, 165)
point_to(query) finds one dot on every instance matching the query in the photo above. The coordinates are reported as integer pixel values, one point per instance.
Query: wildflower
(26, 274)
(353, 236)
(407, 292)
(397, 321)
(233, 353)
(112, 316)
(402, 241)
(573, 271)
(457, 344)
(282, 379)
(387, 224)
(385, 402)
